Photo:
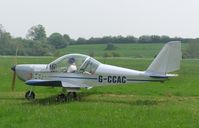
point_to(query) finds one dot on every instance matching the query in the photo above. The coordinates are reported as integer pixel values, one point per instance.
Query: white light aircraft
(75, 71)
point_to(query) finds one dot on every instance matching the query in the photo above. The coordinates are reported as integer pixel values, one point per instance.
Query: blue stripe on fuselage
(68, 77)
(145, 80)
(92, 78)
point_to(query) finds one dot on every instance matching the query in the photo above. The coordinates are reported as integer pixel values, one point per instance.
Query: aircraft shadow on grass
(136, 102)
(84, 98)
(10, 98)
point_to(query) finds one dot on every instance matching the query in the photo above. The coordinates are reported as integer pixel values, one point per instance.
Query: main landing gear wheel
(70, 96)
(30, 95)
(61, 97)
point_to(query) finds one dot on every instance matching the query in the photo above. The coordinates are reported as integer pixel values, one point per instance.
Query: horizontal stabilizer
(163, 76)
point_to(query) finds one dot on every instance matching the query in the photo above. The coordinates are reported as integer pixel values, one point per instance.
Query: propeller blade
(14, 71)
(13, 78)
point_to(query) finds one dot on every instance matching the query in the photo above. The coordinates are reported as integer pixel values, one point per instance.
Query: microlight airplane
(75, 71)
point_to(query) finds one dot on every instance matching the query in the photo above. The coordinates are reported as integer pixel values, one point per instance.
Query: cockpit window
(68, 63)
(89, 66)
(74, 63)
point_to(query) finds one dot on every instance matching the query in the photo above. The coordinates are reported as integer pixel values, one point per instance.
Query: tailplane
(167, 60)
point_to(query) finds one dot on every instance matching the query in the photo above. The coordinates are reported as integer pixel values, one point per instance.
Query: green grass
(124, 50)
(174, 103)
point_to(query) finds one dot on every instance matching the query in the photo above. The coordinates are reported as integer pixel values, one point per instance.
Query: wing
(38, 82)
(54, 83)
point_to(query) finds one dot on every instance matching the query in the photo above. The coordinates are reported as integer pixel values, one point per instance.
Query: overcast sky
(97, 18)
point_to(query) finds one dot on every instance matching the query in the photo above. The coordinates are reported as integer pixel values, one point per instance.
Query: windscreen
(89, 66)
(68, 63)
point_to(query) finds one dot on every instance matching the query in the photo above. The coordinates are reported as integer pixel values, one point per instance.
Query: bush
(111, 54)
(107, 54)
(192, 51)
(110, 46)
(115, 54)
(56, 54)
(92, 54)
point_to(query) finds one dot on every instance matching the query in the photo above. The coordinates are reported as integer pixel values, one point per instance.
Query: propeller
(14, 71)
(13, 77)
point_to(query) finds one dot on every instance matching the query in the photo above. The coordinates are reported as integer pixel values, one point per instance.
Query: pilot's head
(71, 60)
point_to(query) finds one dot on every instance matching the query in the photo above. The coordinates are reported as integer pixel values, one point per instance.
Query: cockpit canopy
(74, 63)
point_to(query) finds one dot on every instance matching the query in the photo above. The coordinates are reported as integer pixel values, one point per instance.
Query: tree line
(129, 39)
(37, 43)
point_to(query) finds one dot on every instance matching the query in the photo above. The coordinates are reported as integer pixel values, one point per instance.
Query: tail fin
(167, 60)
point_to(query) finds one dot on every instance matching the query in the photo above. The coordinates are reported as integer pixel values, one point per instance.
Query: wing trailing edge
(54, 83)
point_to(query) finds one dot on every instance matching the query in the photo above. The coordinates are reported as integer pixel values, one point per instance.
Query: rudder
(167, 60)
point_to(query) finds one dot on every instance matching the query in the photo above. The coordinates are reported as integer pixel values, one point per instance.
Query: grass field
(124, 50)
(174, 103)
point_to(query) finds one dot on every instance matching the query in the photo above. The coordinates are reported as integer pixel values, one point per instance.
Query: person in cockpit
(72, 66)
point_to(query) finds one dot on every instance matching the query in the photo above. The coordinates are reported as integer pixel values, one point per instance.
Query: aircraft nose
(23, 71)
(13, 68)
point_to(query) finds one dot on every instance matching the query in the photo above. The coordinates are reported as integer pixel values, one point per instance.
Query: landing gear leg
(73, 96)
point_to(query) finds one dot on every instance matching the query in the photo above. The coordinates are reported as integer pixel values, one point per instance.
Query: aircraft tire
(61, 97)
(30, 95)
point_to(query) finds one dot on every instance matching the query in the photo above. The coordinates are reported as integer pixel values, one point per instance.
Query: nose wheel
(30, 95)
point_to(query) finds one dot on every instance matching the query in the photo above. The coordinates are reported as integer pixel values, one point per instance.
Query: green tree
(57, 40)
(145, 39)
(37, 33)
(155, 39)
(5, 37)
(165, 39)
(5, 42)
(1, 30)
(66, 37)
(81, 40)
